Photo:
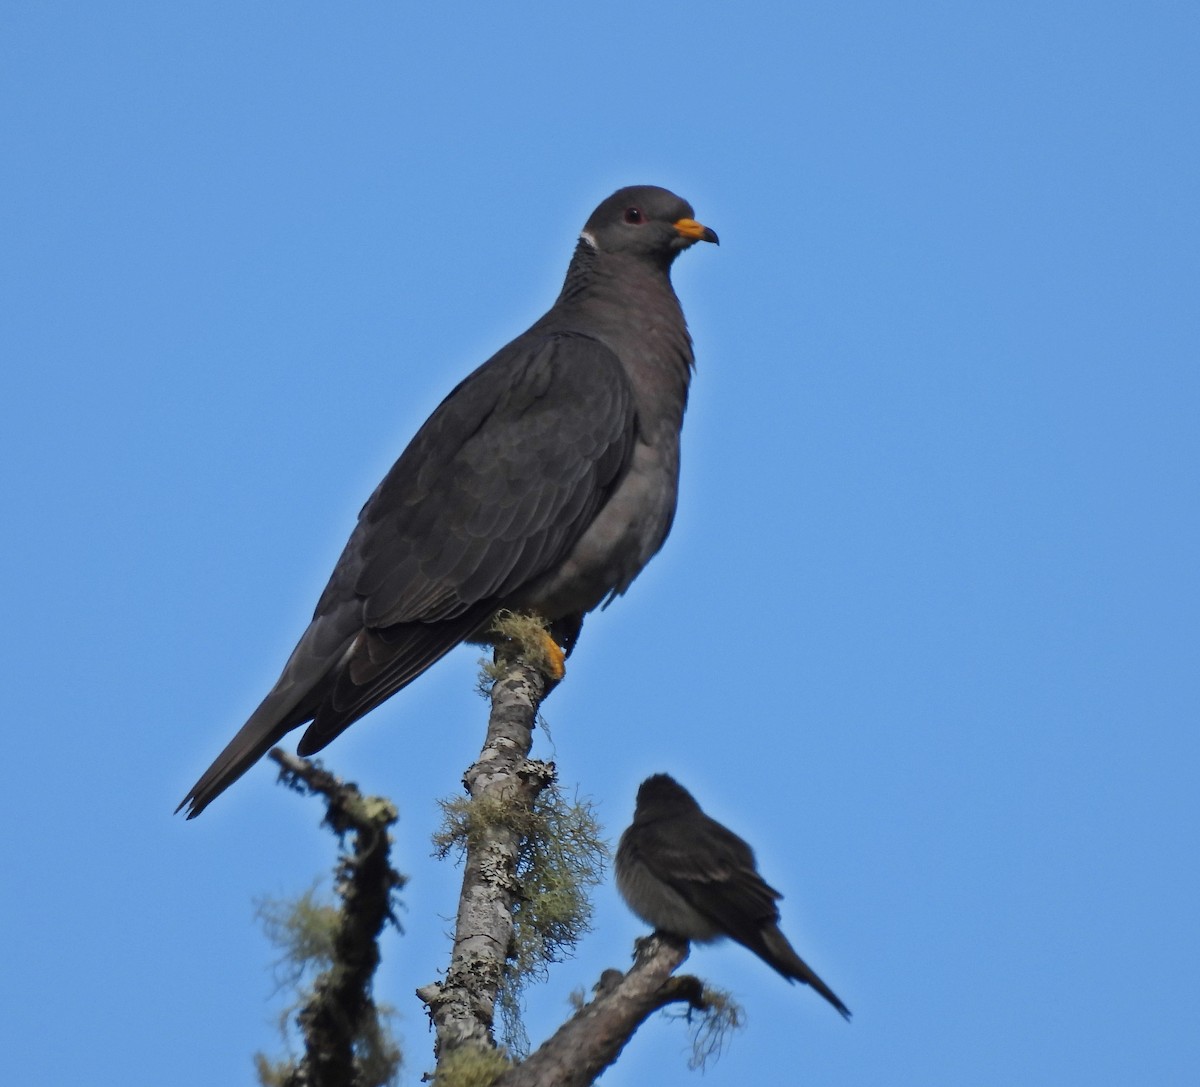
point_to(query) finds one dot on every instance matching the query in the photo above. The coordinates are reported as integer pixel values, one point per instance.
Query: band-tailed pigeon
(686, 874)
(544, 482)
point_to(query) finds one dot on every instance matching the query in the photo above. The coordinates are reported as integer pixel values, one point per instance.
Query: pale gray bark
(594, 1036)
(462, 1006)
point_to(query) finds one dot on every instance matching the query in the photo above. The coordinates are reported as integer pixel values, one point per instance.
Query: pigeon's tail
(780, 954)
(324, 648)
(266, 727)
(332, 683)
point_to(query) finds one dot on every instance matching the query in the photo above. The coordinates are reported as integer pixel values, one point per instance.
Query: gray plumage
(688, 875)
(544, 482)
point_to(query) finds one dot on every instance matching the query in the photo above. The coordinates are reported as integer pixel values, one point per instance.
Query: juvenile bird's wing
(714, 870)
(717, 874)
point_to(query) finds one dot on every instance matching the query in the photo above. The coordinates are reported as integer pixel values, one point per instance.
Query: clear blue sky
(926, 628)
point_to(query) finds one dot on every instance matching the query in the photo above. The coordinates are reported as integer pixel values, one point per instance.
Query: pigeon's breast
(625, 534)
(637, 317)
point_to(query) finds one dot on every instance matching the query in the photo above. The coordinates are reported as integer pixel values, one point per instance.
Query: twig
(342, 1007)
(594, 1036)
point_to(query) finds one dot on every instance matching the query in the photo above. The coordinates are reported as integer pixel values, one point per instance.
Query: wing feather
(493, 492)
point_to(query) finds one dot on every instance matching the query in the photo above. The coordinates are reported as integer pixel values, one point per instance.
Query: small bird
(543, 483)
(689, 876)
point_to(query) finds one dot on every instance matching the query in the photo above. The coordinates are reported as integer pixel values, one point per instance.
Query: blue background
(925, 631)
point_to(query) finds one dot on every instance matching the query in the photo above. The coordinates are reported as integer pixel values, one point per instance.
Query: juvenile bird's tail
(781, 955)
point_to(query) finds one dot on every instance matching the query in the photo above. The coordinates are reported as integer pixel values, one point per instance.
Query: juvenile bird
(688, 875)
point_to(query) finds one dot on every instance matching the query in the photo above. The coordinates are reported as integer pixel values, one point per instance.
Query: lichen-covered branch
(594, 1036)
(462, 1006)
(341, 1011)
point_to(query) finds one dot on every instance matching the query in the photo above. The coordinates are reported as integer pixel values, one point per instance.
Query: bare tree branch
(342, 1011)
(504, 787)
(595, 1035)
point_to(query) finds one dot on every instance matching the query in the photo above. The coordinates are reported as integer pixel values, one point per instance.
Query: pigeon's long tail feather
(317, 683)
(267, 726)
(324, 648)
(782, 956)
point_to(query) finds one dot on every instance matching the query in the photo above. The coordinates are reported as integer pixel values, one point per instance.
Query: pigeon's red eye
(634, 215)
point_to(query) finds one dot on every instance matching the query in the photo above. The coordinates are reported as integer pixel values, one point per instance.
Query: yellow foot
(555, 664)
(531, 639)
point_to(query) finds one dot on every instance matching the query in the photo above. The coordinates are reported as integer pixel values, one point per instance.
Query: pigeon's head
(645, 221)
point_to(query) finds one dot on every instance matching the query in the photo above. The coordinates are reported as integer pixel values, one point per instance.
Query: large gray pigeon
(686, 874)
(544, 482)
